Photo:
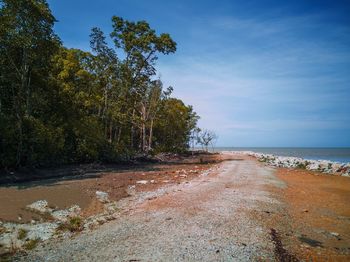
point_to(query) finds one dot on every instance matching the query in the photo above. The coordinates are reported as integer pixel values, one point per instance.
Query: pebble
(142, 182)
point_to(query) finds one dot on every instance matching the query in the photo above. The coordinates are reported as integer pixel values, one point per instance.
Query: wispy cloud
(265, 75)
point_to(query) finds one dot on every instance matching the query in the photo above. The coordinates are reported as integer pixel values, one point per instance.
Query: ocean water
(333, 154)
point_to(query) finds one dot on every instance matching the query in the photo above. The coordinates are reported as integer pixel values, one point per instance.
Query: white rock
(142, 182)
(324, 166)
(63, 215)
(44, 231)
(335, 234)
(40, 206)
(346, 174)
(102, 196)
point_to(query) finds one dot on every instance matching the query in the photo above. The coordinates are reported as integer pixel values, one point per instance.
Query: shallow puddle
(13, 200)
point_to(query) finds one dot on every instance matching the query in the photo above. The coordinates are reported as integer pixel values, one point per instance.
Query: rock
(324, 166)
(40, 206)
(142, 182)
(205, 173)
(111, 208)
(43, 231)
(102, 196)
(183, 176)
(335, 234)
(152, 181)
(346, 174)
(63, 215)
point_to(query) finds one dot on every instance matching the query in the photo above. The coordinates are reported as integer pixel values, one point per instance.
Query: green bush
(22, 233)
(31, 244)
(74, 224)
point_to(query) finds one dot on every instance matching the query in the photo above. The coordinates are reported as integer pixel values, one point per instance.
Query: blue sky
(259, 73)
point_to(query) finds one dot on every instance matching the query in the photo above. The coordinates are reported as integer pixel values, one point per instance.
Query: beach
(237, 208)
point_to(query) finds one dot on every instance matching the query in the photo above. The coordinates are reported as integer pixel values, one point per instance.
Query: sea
(341, 155)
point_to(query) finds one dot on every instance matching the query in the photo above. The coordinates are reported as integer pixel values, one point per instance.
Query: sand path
(204, 220)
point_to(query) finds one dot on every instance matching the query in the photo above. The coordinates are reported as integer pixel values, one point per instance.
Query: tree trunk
(143, 127)
(119, 134)
(110, 131)
(150, 135)
(132, 130)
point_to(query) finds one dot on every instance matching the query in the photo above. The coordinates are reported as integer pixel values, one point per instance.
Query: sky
(259, 73)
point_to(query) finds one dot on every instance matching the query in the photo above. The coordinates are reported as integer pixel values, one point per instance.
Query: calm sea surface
(333, 154)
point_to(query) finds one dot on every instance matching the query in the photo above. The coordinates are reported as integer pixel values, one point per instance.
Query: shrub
(22, 233)
(74, 224)
(31, 244)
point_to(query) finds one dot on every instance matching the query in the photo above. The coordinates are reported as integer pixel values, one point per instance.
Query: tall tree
(106, 68)
(27, 43)
(60, 105)
(141, 46)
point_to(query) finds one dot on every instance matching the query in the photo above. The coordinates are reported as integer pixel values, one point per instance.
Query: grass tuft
(22, 233)
(31, 244)
(74, 224)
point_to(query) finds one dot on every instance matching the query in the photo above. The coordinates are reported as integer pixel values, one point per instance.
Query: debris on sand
(40, 206)
(142, 182)
(281, 253)
(102, 196)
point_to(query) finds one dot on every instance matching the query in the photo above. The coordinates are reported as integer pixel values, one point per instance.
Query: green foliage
(74, 224)
(173, 129)
(31, 244)
(60, 105)
(22, 233)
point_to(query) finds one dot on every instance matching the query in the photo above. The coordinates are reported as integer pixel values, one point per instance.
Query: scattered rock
(40, 206)
(102, 196)
(336, 235)
(323, 166)
(142, 182)
(63, 215)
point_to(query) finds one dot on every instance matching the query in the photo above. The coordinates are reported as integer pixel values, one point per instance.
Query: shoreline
(323, 166)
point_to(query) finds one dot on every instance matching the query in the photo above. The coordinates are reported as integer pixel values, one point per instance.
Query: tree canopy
(61, 105)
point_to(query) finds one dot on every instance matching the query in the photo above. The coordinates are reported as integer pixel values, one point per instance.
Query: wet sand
(13, 200)
(61, 193)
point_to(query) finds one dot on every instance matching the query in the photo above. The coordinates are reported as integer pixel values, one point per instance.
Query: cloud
(264, 75)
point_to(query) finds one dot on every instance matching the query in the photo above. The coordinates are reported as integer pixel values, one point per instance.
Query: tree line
(61, 105)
